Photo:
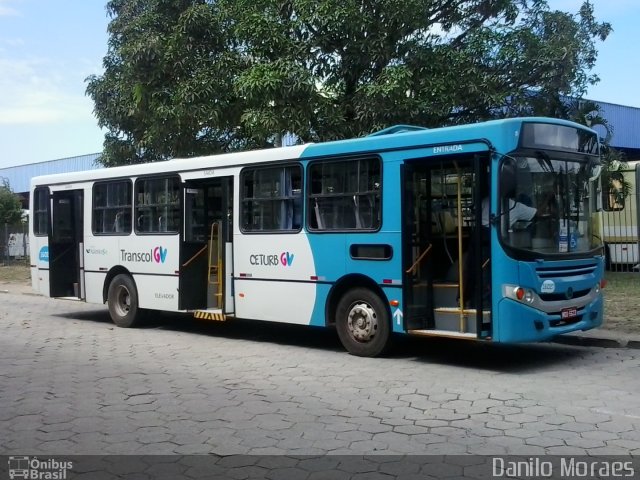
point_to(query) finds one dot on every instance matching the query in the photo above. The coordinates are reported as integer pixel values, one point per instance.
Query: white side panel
(273, 277)
(82, 292)
(154, 256)
(35, 284)
(39, 253)
(43, 282)
(95, 280)
(158, 293)
(284, 302)
(229, 303)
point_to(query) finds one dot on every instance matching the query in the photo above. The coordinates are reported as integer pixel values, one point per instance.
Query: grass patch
(622, 283)
(621, 302)
(19, 273)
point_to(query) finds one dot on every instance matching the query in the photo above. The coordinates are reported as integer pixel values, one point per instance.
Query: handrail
(415, 264)
(197, 254)
(463, 320)
(216, 246)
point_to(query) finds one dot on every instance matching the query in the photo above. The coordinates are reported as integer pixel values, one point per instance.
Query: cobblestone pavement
(73, 383)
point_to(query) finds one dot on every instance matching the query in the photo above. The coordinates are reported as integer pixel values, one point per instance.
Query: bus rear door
(206, 250)
(66, 256)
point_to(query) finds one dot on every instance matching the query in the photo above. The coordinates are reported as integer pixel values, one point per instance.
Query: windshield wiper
(544, 160)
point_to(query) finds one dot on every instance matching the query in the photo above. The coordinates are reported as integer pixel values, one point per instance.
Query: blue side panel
(329, 262)
(331, 251)
(396, 312)
(318, 315)
(333, 260)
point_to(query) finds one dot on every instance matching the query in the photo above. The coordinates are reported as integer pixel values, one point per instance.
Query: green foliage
(614, 162)
(10, 206)
(192, 77)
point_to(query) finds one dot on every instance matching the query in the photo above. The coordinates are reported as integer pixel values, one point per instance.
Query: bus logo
(286, 259)
(43, 255)
(159, 254)
(19, 466)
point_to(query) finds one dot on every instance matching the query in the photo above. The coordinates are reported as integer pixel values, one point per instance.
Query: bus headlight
(521, 294)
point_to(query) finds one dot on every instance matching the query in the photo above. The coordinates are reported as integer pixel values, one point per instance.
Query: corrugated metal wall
(20, 176)
(625, 122)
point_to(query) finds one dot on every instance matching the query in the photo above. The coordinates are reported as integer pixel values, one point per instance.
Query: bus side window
(345, 195)
(111, 207)
(271, 199)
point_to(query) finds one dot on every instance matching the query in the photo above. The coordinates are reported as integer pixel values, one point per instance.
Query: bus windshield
(551, 210)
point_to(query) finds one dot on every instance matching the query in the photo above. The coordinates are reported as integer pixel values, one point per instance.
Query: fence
(14, 243)
(622, 226)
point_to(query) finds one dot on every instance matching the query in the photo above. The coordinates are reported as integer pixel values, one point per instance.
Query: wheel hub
(123, 305)
(363, 322)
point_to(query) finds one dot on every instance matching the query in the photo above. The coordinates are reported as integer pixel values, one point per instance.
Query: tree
(10, 206)
(191, 77)
(614, 163)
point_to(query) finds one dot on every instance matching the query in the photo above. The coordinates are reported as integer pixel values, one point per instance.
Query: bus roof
(389, 138)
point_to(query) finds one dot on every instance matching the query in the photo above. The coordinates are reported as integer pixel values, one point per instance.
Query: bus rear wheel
(362, 321)
(122, 300)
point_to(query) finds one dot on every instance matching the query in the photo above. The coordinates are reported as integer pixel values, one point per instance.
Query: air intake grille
(572, 271)
(552, 297)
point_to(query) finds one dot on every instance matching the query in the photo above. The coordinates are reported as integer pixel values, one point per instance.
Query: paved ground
(72, 383)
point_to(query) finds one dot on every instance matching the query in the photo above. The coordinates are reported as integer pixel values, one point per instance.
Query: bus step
(466, 311)
(215, 314)
(448, 319)
(445, 294)
(443, 333)
(446, 285)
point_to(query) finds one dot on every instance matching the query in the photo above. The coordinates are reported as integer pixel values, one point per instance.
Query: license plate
(570, 312)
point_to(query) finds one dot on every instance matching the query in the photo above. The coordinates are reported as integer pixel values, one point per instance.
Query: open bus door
(66, 255)
(417, 247)
(441, 209)
(206, 248)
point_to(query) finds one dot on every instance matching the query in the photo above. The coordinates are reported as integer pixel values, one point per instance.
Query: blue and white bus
(490, 232)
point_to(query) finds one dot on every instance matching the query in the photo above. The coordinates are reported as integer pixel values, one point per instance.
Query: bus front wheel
(123, 301)
(362, 321)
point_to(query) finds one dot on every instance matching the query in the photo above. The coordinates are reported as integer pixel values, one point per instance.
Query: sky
(48, 48)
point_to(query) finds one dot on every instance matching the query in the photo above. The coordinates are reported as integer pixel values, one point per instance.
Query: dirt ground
(622, 302)
(621, 295)
(15, 278)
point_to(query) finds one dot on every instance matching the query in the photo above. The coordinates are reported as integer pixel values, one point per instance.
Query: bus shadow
(251, 330)
(521, 358)
(514, 358)
(97, 316)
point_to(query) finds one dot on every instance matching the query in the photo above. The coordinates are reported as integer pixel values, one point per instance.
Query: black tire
(362, 321)
(123, 302)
